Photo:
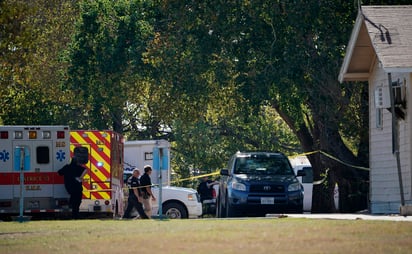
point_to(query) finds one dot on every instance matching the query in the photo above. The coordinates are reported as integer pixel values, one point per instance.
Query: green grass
(285, 235)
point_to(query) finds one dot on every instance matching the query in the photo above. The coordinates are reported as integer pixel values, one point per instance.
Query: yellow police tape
(177, 181)
(333, 158)
(327, 170)
(217, 172)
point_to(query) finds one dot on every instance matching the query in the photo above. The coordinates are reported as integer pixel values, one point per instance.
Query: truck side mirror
(224, 172)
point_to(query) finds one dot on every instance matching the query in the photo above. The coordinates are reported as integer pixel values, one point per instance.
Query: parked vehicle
(258, 183)
(30, 157)
(307, 183)
(103, 183)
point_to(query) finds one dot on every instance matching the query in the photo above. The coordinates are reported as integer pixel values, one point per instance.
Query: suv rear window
(262, 165)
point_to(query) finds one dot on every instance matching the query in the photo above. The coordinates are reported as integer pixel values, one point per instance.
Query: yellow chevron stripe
(79, 139)
(101, 193)
(98, 141)
(99, 173)
(96, 154)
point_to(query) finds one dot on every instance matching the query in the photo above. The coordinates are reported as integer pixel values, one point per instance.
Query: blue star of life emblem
(60, 155)
(4, 156)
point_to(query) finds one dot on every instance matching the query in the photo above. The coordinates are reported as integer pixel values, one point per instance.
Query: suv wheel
(230, 211)
(219, 208)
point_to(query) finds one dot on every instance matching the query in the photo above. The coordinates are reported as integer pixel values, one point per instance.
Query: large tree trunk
(327, 151)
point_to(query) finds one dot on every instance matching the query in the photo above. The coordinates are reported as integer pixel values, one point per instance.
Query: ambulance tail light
(18, 135)
(32, 134)
(4, 135)
(46, 134)
(107, 202)
(62, 203)
(61, 134)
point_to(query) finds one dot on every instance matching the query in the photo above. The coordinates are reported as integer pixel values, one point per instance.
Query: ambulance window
(43, 155)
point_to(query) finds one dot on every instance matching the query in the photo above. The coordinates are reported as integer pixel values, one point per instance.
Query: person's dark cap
(147, 168)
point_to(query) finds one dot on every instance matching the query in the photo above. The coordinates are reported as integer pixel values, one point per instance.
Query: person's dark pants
(133, 202)
(75, 201)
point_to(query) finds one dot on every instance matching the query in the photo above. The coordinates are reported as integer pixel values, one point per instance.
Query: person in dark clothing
(73, 177)
(205, 189)
(135, 196)
(146, 183)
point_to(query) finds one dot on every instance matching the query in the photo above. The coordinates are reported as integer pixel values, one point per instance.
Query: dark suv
(258, 183)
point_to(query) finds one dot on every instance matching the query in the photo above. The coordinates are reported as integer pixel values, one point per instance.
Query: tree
(33, 35)
(282, 55)
(211, 118)
(105, 59)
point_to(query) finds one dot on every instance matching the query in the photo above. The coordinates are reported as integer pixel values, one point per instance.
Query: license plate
(267, 201)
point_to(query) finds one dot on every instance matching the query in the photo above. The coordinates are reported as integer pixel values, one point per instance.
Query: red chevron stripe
(93, 146)
(97, 195)
(102, 186)
(92, 143)
(105, 172)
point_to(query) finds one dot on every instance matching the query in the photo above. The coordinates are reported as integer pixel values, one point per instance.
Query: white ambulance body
(45, 149)
(177, 202)
(139, 153)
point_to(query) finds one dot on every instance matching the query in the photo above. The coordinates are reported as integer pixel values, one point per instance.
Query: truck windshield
(263, 165)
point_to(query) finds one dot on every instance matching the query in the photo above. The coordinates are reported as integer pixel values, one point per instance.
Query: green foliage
(33, 35)
(213, 77)
(104, 56)
(279, 54)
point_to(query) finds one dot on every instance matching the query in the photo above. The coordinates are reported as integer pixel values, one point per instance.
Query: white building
(380, 52)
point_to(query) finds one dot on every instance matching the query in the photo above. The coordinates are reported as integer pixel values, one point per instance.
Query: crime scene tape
(327, 170)
(331, 157)
(217, 172)
(196, 177)
(342, 162)
(124, 188)
(176, 181)
(323, 179)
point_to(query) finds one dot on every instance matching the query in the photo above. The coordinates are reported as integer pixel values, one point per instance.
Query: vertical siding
(408, 129)
(384, 182)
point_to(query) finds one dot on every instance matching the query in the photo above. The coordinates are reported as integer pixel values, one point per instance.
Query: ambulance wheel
(174, 211)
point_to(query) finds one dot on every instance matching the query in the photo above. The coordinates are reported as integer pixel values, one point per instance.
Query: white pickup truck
(176, 202)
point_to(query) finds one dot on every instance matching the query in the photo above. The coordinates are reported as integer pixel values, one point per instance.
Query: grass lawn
(254, 235)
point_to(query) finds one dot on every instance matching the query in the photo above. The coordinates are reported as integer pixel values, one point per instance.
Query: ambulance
(30, 157)
(103, 182)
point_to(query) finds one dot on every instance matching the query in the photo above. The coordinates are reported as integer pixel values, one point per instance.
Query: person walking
(146, 183)
(73, 179)
(135, 196)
